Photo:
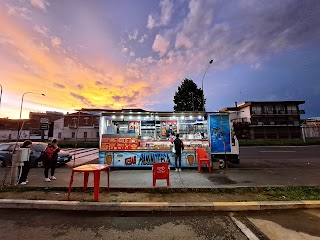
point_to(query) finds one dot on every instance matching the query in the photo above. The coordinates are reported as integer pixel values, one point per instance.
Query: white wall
(243, 113)
(91, 133)
(58, 128)
(5, 135)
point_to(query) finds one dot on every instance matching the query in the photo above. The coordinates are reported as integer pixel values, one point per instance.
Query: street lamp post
(192, 101)
(211, 61)
(1, 94)
(21, 107)
(14, 168)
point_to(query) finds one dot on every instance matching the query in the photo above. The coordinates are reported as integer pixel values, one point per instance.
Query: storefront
(143, 138)
(140, 138)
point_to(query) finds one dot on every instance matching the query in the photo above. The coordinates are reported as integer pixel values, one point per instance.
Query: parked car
(6, 150)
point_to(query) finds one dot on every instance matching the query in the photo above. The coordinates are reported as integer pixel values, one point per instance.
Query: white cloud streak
(22, 12)
(55, 41)
(165, 16)
(41, 4)
(160, 45)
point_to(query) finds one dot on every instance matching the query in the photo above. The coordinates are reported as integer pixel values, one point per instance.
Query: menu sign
(119, 144)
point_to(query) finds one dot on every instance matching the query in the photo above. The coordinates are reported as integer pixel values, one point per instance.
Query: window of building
(86, 120)
(97, 134)
(256, 110)
(292, 109)
(280, 109)
(73, 135)
(85, 134)
(59, 135)
(74, 120)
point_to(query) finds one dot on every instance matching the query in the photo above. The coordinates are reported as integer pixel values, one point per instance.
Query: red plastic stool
(160, 171)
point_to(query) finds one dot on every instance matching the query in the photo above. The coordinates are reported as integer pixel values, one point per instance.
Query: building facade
(311, 128)
(78, 125)
(266, 120)
(32, 128)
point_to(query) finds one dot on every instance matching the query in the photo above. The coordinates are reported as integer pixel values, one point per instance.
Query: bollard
(18, 157)
(14, 169)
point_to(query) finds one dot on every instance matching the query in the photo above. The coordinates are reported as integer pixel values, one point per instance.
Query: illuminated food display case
(139, 138)
(144, 137)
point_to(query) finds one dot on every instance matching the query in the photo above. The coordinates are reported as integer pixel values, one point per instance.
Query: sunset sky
(122, 53)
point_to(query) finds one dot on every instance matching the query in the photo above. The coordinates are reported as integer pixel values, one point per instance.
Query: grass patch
(241, 194)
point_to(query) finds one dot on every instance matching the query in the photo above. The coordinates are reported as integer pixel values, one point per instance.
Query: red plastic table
(96, 169)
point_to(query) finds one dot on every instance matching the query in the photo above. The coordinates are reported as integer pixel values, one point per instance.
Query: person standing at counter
(179, 147)
(118, 128)
(169, 132)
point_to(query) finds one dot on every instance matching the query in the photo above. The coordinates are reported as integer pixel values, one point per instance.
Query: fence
(311, 131)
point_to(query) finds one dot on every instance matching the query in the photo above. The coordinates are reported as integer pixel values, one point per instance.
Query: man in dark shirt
(179, 147)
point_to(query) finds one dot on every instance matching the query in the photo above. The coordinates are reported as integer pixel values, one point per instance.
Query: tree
(188, 97)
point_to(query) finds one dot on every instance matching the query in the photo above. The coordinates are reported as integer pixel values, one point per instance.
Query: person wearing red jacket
(50, 160)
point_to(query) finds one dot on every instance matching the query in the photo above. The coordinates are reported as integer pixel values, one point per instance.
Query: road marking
(277, 151)
(246, 231)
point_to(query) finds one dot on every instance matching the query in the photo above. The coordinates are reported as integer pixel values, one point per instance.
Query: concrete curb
(155, 206)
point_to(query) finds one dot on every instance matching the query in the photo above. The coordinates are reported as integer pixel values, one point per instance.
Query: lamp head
(43, 94)
(211, 61)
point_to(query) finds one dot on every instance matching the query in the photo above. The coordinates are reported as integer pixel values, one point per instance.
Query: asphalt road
(36, 224)
(280, 157)
(16, 225)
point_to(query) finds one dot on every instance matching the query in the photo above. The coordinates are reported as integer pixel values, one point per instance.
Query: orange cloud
(32, 65)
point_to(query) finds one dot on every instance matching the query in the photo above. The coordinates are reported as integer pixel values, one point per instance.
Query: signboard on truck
(220, 134)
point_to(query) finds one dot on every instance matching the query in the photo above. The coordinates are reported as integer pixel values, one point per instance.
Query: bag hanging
(173, 149)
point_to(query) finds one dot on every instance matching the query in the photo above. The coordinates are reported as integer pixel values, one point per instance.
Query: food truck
(139, 138)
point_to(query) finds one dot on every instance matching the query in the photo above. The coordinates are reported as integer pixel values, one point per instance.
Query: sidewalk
(187, 179)
(124, 181)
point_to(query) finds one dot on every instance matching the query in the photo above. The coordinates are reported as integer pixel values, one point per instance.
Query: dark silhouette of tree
(188, 97)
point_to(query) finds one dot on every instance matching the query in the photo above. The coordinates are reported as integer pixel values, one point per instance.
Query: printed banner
(219, 127)
(144, 159)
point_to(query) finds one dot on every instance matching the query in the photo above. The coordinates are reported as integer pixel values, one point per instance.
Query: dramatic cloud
(165, 17)
(127, 99)
(56, 42)
(22, 12)
(57, 85)
(134, 35)
(143, 38)
(79, 51)
(42, 30)
(98, 83)
(80, 86)
(82, 99)
(160, 45)
(42, 4)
